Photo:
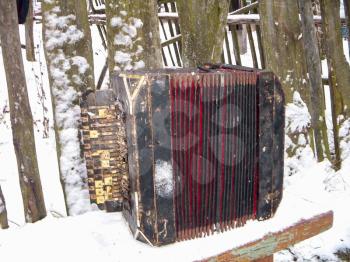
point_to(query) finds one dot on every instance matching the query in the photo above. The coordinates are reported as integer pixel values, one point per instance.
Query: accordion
(205, 149)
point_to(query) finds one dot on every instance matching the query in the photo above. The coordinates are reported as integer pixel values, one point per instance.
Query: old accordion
(205, 149)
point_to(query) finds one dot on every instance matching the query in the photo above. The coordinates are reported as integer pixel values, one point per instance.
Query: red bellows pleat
(214, 139)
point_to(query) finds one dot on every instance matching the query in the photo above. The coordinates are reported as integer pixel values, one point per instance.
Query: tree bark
(284, 50)
(29, 36)
(3, 212)
(285, 56)
(347, 15)
(133, 35)
(313, 61)
(202, 24)
(20, 113)
(69, 57)
(338, 69)
(338, 66)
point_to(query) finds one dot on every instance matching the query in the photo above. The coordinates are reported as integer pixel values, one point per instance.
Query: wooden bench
(262, 250)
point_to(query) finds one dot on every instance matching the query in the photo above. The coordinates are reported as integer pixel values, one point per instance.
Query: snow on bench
(106, 237)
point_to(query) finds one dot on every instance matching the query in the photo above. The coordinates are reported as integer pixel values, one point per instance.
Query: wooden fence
(242, 34)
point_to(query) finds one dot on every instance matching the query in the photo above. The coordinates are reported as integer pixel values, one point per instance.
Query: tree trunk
(313, 61)
(3, 212)
(347, 15)
(338, 66)
(285, 56)
(133, 35)
(30, 51)
(202, 24)
(69, 57)
(20, 112)
(283, 46)
(339, 70)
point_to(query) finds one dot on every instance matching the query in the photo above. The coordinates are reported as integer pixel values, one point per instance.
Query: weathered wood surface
(313, 61)
(231, 18)
(262, 249)
(195, 27)
(29, 34)
(3, 212)
(20, 114)
(338, 71)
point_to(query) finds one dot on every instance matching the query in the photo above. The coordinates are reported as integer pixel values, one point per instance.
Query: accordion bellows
(205, 150)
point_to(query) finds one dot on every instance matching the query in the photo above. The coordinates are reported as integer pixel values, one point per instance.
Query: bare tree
(20, 113)
(339, 70)
(3, 212)
(202, 26)
(133, 35)
(69, 58)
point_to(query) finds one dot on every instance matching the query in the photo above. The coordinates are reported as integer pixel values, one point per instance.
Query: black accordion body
(205, 149)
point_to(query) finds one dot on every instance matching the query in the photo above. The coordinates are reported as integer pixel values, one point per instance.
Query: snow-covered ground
(99, 236)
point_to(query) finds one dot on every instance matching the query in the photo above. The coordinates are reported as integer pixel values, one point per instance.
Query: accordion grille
(214, 120)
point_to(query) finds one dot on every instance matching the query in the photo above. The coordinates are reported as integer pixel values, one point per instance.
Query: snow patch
(116, 21)
(164, 179)
(125, 40)
(298, 118)
(81, 63)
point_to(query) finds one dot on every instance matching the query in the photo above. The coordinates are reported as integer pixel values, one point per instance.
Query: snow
(125, 57)
(116, 22)
(297, 115)
(164, 179)
(81, 63)
(106, 237)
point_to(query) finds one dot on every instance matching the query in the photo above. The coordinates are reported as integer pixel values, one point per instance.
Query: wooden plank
(245, 9)
(250, 34)
(170, 41)
(166, 1)
(261, 49)
(231, 19)
(228, 51)
(235, 44)
(265, 259)
(252, 46)
(277, 241)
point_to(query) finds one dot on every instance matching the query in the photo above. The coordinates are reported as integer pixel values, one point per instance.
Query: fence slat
(236, 52)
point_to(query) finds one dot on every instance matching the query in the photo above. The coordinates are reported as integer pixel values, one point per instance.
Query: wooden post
(3, 212)
(313, 61)
(236, 51)
(20, 113)
(30, 50)
(347, 15)
(339, 69)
